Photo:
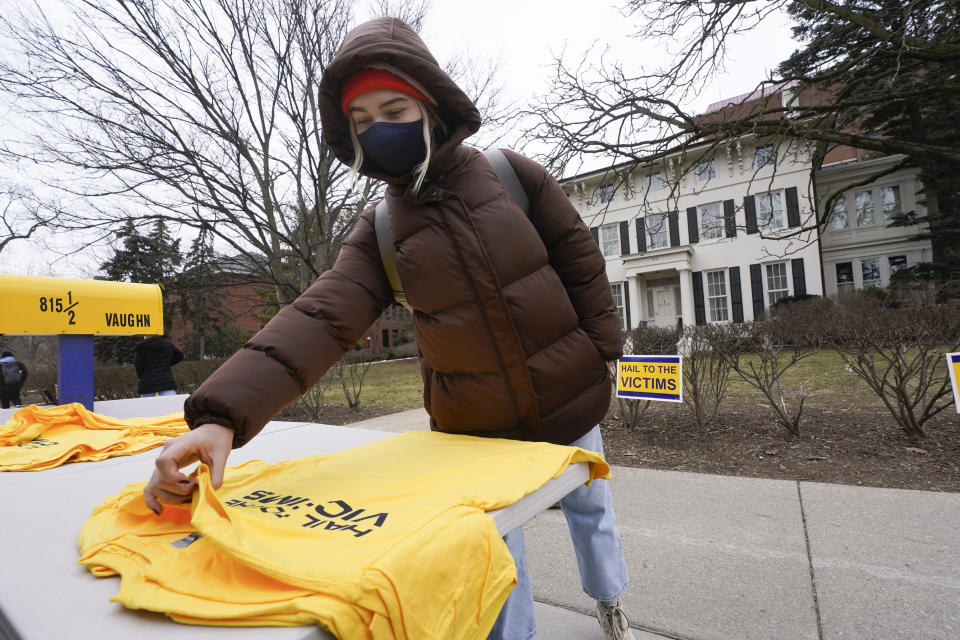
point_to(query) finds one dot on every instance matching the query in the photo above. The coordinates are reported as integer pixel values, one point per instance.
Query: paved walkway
(727, 558)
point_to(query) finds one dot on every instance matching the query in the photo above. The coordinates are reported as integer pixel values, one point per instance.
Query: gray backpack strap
(508, 177)
(381, 220)
(388, 253)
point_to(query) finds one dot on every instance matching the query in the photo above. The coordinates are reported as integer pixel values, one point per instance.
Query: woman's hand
(209, 443)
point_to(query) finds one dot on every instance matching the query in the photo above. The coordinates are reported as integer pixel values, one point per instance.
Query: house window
(657, 233)
(717, 295)
(616, 289)
(871, 272)
(863, 202)
(897, 263)
(844, 277)
(711, 221)
(777, 286)
(890, 202)
(605, 193)
(654, 182)
(649, 302)
(770, 208)
(764, 155)
(838, 217)
(610, 240)
(706, 170)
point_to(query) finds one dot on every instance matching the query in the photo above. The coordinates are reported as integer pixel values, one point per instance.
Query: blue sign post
(74, 370)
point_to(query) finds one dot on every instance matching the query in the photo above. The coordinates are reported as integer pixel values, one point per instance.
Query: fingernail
(156, 511)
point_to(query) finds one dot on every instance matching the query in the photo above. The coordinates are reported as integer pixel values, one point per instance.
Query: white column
(686, 298)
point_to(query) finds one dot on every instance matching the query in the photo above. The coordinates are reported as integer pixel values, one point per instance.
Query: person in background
(12, 376)
(513, 312)
(156, 356)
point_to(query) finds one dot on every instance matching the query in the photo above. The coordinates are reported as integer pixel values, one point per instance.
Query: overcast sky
(523, 35)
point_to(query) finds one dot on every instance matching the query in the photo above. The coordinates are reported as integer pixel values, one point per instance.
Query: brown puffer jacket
(513, 314)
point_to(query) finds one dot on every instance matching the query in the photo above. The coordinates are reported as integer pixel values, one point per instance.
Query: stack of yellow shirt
(387, 540)
(35, 438)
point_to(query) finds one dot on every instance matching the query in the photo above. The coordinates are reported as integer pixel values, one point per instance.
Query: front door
(664, 313)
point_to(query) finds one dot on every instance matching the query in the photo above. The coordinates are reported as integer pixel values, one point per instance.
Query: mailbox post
(77, 310)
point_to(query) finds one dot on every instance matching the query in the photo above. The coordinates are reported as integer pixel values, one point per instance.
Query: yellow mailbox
(40, 305)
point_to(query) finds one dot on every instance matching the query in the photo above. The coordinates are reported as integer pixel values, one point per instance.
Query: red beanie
(372, 79)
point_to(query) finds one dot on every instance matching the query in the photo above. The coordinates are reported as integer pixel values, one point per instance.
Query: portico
(661, 280)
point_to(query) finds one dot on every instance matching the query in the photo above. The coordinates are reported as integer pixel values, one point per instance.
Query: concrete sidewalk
(727, 558)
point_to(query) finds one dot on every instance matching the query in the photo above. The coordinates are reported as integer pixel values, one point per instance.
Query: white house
(859, 250)
(721, 243)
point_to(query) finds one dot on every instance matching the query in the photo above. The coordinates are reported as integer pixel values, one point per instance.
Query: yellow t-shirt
(35, 438)
(393, 531)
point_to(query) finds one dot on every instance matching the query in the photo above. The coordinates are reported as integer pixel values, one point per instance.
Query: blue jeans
(165, 392)
(596, 543)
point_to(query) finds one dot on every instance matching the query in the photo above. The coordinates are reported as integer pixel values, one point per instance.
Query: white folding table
(44, 593)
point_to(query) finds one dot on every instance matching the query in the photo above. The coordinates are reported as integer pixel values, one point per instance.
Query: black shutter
(750, 213)
(624, 237)
(799, 277)
(736, 295)
(626, 301)
(595, 232)
(674, 225)
(641, 235)
(793, 208)
(698, 310)
(756, 285)
(693, 231)
(730, 218)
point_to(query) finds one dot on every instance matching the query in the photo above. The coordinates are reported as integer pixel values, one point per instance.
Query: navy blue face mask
(396, 147)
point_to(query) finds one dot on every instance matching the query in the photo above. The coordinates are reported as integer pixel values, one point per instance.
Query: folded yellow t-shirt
(36, 438)
(394, 531)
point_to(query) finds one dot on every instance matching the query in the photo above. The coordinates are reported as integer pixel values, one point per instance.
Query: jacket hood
(389, 42)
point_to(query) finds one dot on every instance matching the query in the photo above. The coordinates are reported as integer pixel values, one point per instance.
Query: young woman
(513, 312)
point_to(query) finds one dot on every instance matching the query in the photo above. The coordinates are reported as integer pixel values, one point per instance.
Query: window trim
(879, 278)
(906, 264)
(883, 209)
(664, 231)
(604, 193)
(836, 278)
(708, 298)
(846, 214)
(719, 221)
(873, 209)
(762, 223)
(616, 290)
(615, 227)
(771, 159)
(708, 167)
(787, 277)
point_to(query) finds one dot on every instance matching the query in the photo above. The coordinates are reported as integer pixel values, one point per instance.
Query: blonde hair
(429, 117)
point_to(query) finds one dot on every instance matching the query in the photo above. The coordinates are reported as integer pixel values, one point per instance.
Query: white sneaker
(613, 621)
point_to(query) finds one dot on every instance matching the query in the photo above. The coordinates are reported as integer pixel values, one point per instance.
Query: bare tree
(351, 376)
(200, 113)
(21, 215)
(762, 352)
(862, 58)
(899, 353)
(706, 373)
(311, 404)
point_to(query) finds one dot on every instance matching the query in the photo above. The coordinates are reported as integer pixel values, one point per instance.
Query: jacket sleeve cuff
(207, 418)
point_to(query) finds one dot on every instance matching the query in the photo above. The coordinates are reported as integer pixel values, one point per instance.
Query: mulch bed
(856, 447)
(862, 447)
